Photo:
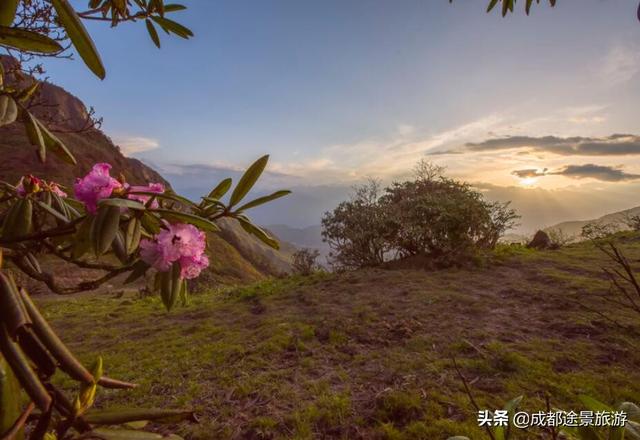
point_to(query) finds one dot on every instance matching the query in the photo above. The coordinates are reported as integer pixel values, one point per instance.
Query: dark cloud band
(614, 145)
(593, 171)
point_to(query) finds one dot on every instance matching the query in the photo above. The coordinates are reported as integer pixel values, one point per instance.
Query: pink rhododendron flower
(95, 186)
(190, 267)
(180, 242)
(54, 188)
(157, 188)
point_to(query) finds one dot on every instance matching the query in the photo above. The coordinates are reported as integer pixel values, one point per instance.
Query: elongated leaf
(52, 211)
(28, 41)
(79, 36)
(172, 26)
(87, 394)
(220, 189)
(35, 136)
(153, 33)
(174, 7)
(26, 376)
(18, 220)
(248, 179)
(104, 228)
(119, 416)
(12, 311)
(68, 363)
(261, 200)
(132, 237)
(82, 243)
(167, 196)
(8, 110)
(594, 405)
(10, 398)
(122, 203)
(492, 4)
(258, 233)
(139, 269)
(56, 145)
(128, 434)
(36, 351)
(7, 14)
(183, 217)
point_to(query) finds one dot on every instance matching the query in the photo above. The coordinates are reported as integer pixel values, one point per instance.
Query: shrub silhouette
(433, 216)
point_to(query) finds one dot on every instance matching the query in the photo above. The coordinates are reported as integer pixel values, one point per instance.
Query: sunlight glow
(528, 181)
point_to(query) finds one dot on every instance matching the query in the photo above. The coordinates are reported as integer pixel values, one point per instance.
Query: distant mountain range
(618, 219)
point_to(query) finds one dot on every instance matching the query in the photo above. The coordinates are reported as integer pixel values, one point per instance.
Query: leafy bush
(432, 215)
(356, 229)
(305, 261)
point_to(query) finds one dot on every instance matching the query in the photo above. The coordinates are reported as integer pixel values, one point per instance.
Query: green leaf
(492, 4)
(8, 110)
(220, 189)
(139, 269)
(7, 14)
(258, 232)
(119, 416)
(122, 203)
(261, 200)
(183, 217)
(592, 404)
(55, 144)
(12, 310)
(82, 243)
(52, 211)
(79, 36)
(248, 179)
(167, 196)
(128, 434)
(528, 6)
(68, 363)
(20, 366)
(153, 33)
(28, 41)
(35, 135)
(104, 228)
(10, 398)
(132, 237)
(172, 26)
(174, 7)
(18, 219)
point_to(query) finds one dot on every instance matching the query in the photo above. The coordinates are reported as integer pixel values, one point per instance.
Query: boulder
(540, 240)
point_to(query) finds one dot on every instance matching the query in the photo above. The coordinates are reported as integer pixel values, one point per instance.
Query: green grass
(366, 354)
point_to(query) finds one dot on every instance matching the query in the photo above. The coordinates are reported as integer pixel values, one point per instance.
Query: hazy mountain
(618, 219)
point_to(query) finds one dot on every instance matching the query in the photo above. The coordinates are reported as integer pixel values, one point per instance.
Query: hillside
(368, 354)
(574, 228)
(235, 256)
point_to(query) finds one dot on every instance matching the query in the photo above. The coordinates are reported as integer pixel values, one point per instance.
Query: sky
(540, 110)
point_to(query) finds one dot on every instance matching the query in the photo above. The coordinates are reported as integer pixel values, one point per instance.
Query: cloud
(529, 172)
(135, 144)
(587, 171)
(620, 65)
(614, 145)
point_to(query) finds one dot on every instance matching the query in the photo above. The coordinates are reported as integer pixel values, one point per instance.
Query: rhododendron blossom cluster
(182, 243)
(98, 184)
(95, 186)
(31, 184)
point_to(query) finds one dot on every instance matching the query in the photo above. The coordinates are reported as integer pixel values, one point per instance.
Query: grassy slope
(366, 354)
